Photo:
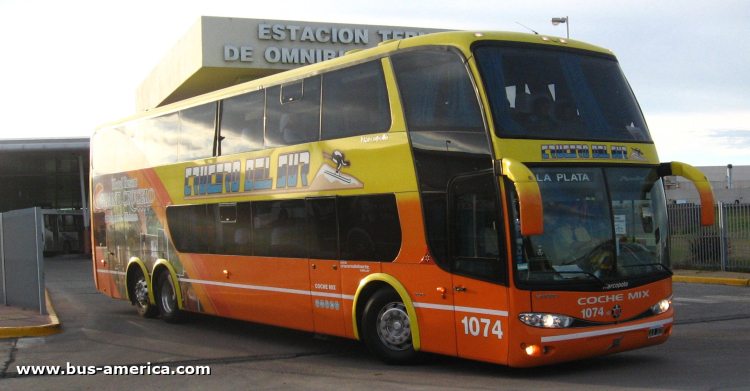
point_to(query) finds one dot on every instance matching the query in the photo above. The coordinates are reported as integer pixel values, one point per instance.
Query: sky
(70, 66)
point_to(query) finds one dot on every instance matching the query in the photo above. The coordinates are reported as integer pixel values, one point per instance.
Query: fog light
(533, 350)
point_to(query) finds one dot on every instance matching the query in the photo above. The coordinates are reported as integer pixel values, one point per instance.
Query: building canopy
(220, 52)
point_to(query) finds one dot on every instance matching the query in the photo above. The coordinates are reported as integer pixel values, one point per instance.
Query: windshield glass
(601, 225)
(559, 95)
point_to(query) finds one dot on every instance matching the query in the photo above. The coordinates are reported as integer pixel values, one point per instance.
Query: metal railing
(723, 246)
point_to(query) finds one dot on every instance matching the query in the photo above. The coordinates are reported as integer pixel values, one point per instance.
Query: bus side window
(235, 229)
(197, 132)
(293, 113)
(369, 228)
(322, 228)
(190, 227)
(475, 228)
(278, 229)
(242, 123)
(159, 137)
(355, 102)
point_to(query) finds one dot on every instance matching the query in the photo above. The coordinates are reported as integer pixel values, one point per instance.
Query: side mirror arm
(706, 193)
(529, 195)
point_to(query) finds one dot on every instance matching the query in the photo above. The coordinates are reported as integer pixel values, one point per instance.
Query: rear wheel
(387, 328)
(139, 295)
(167, 300)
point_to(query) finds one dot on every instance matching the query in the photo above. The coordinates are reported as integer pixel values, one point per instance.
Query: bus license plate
(655, 331)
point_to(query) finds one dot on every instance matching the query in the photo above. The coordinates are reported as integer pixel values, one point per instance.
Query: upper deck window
(355, 102)
(437, 92)
(197, 132)
(293, 113)
(242, 123)
(547, 94)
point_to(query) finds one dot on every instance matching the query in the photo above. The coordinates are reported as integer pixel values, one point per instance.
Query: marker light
(563, 40)
(662, 306)
(549, 321)
(533, 350)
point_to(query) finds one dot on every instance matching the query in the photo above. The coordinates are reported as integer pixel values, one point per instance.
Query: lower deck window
(361, 228)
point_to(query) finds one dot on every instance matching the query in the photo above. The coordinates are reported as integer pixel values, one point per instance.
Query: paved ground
(707, 351)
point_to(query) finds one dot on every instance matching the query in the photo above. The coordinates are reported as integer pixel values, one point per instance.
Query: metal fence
(21, 260)
(723, 246)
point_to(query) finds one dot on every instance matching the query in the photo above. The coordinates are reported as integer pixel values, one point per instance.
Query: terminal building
(219, 52)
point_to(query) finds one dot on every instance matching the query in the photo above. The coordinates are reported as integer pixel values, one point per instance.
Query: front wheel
(139, 295)
(167, 300)
(387, 328)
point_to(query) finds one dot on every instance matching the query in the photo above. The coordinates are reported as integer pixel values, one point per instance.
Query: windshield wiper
(575, 272)
(586, 273)
(666, 269)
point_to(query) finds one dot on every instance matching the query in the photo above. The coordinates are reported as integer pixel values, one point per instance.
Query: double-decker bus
(493, 196)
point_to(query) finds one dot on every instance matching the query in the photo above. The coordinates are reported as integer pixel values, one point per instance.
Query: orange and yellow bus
(493, 196)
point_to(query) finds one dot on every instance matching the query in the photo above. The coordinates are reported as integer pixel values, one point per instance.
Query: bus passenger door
(325, 273)
(478, 267)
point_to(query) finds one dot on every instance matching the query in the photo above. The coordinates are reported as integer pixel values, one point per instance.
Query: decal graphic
(637, 154)
(616, 342)
(330, 177)
(327, 304)
(124, 198)
(616, 311)
(590, 151)
(255, 176)
(364, 268)
(338, 158)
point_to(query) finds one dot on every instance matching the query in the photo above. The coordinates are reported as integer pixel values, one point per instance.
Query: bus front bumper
(541, 347)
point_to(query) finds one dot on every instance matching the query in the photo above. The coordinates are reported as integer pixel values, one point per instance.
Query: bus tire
(139, 294)
(167, 300)
(387, 328)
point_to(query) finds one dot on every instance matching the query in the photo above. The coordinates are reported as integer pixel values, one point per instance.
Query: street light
(556, 21)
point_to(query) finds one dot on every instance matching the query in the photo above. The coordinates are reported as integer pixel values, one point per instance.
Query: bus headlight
(662, 306)
(549, 321)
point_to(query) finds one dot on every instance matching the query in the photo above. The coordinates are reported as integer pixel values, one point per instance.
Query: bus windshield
(559, 95)
(601, 225)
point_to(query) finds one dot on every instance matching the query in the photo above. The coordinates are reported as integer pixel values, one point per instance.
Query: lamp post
(556, 21)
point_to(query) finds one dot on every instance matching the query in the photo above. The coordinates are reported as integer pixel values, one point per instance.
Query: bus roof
(462, 40)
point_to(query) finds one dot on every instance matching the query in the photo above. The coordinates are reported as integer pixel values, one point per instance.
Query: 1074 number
(476, 326)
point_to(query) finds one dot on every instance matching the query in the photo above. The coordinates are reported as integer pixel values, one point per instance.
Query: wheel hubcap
(141, 292)
(167, 296)
(394, 328)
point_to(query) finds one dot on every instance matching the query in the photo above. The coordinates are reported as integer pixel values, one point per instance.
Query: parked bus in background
(493, 196)
(63, 231)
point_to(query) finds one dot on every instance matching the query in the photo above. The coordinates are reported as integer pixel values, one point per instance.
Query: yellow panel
(706, 193)
(560, 151)
(529, 196)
